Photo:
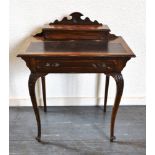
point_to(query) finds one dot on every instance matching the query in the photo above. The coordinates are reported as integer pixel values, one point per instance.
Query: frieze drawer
(72, 66)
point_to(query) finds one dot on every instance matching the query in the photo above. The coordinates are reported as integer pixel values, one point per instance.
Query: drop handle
(109, 68)
(101, 66)
(52, 65)
(47, 64)
(94, 65)
(105, 66)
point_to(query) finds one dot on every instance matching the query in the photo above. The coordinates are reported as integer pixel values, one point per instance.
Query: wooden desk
(44, 55)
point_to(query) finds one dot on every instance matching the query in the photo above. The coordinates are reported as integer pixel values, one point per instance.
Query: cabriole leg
(119, 90)
(31, 83)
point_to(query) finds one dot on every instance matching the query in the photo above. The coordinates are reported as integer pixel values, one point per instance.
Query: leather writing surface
(75, 46)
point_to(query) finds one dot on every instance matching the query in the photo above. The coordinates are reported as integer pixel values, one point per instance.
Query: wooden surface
(72, 48)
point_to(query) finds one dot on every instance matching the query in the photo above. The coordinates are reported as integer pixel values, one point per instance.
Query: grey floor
(77, 131)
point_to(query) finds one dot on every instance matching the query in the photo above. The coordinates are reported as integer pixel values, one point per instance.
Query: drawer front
(74, 35)
(75, 66)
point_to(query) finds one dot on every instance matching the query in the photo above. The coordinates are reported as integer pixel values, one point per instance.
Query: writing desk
(92, 50)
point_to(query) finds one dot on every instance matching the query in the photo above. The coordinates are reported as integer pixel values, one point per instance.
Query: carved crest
(75, 19)
(50, 32)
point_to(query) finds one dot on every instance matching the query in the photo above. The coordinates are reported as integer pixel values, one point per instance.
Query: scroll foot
(38, 139)
(112, 138)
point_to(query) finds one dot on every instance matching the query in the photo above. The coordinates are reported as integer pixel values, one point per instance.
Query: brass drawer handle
(47, 64)
(101, 66)
(94, 65)
(98, 65)
(52, 65)
(109, 68)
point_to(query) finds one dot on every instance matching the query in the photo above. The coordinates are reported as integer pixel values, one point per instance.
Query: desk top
(72, 48)
(75, 37)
